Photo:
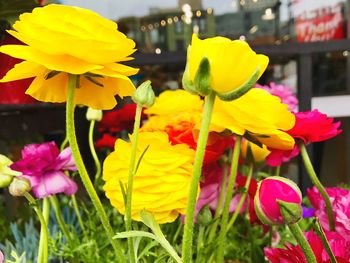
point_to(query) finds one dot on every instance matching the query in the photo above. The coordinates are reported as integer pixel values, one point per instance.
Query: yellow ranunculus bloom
(173, 108)
(232, 63)
(259, 114)
(162, 181)
(259, 153)
(63, 39)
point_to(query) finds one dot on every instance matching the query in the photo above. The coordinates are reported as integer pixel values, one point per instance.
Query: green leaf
(162, 241)
(140, 159)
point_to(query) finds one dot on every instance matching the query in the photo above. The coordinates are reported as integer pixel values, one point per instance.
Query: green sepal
(243, 89)
(202, 80)
(186, 82)
(250, 156)
(204, 217)
(144, 95)
(291, 212)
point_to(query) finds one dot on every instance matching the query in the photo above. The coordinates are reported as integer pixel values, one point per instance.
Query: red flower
(120, 119)
(12, 92)
(314, 126)
(107, 141)
(216, 144)
(310, 126)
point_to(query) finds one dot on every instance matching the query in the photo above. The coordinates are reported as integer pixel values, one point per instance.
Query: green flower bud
(204, 217)
(6, 173)
(19, 186)
(93, 115)
(290, 212)
(144, 95)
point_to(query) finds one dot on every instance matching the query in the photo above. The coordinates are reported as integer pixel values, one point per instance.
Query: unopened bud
(205, 217)
(93, 115)
(19, 186)
(6, 173)
(144, 95)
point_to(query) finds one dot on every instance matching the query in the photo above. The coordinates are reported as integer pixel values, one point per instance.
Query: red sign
(326, 27)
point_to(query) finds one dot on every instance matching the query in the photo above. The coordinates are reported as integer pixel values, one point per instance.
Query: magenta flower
(314, 126)
(44, 166)
(270, 191)
(310, 126)
(283, 92)
(294, 254)
(340, 200)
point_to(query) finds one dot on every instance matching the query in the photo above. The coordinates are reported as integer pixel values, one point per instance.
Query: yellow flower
(173, 108)
(259, 153)
(63, 39)
(162, 181)
(233, 65)
(259, 114)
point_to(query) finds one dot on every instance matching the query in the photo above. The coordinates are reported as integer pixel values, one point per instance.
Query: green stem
(197, 170)
(134, 141)
(278, 171)
(77, 212)
(242, 199)
(44, 233)
(56, 207)
(200, 243)
(300, 238)
(225, 213)
(219, 206)
(64, 143)
(72, 81)
(43, 243)
(317, 183)
(318, 229)
(93, 151)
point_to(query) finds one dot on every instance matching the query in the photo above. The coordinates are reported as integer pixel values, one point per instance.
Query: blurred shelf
(30, 107)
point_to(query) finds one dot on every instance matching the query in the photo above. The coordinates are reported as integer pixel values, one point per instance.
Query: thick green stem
(317, 183)
(278, 171)
(93, 151)
(44, 232)
(225, 213)
(197, 171)
(82, 170)
(219, 206)
(300, 238)
(77, 212)
(134, 140)
(56, 207)
(242, 199)
(318, 229)
(43, 243)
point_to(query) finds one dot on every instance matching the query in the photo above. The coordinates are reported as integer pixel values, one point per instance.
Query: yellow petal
(23, 70)
(64, 63)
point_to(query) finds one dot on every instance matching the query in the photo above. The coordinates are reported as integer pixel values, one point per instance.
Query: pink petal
(65, 161)
(54, 182)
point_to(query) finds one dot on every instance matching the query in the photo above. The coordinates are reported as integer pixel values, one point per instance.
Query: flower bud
(204, 217)
(228, 68)
(144, 95)
(19, 186)
(278, 201)
(6, 173)
(93, 115)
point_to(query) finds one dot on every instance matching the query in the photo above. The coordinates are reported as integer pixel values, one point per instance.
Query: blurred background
(308, 42)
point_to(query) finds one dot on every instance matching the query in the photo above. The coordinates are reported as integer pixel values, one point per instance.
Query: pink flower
(340, 200)
(43, 165)
(270, 191)
(1, 257)
(211, 188)
(277, 157)
(283, 92)
(293, 254)
(314, 126)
